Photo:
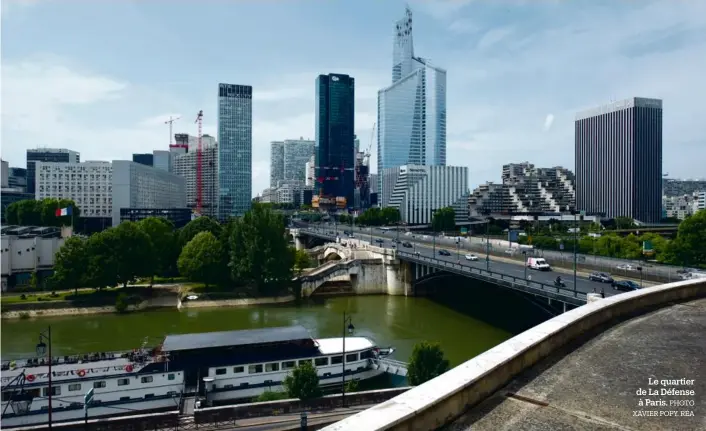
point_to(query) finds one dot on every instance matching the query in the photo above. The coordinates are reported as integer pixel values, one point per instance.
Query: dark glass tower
(335, 148)
(619, 160)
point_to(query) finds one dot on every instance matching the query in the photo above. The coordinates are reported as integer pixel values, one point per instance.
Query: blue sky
(100, 77)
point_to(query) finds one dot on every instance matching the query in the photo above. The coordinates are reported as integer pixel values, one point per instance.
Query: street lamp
(347, 327)
(487, 244)
(575, 241)
(42, 349)
(524, 253)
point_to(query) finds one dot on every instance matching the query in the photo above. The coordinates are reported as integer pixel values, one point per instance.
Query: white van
(538, 263)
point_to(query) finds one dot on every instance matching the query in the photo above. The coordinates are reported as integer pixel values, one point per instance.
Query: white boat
(217, 367)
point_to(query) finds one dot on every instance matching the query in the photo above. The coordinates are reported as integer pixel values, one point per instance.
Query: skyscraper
(335, 115)
(411, 111)
(276, 163)
(619, 159)
(234, 150)
(297, 153)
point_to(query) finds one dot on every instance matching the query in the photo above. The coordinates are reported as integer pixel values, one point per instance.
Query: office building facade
(619, 160)
(411, 111)
(184, 165)
(310, 171)
(88, 184)
(276, 163)
(418, 191)
(146, 159)
(335, 124)
(58, 155)
(234, 150)
(17, 179)
(139, 186)
(297, 153)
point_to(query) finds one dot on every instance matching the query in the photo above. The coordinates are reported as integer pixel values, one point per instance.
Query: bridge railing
(497, 276)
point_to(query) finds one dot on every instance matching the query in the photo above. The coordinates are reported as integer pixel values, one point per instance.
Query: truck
(538, 263)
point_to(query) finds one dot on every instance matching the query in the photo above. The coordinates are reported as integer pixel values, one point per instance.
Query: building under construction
(185, 165)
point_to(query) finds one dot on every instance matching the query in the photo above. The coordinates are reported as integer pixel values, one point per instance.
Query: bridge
(589, 368)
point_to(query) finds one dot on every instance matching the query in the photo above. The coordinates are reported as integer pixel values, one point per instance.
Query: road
(498, 265)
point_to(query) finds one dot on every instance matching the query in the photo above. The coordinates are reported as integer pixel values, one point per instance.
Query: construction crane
(171, 121)
(199, 161)
(366, 155)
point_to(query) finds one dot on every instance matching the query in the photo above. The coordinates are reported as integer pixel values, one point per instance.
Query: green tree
(225, 276)
(197, 225)
(200, 258)
(11, 215)
(352, 386)
(689, 247)
(134, 253)
(271, 396)
(390, 215)
(444, 219)
(260, 252)
(427, 361)
(70, 264)
(161, 235)
(28, 213)
(303, 382)
(624, 223)
(102, 250)
(301, 260)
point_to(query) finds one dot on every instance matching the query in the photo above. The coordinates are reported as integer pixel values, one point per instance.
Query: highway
(496, 265)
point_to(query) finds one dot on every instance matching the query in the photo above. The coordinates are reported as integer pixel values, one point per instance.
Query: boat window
(74, 387)
(304, 361)
(320, 362)
(352, 357)
(288, 365)
(33, 392)
(273, 366)
(237, 370)
(228, 387)
(171, 377)
(124, 398)
(268, 382)
(149, 396)
(6, 396)
(220, 371)
(336, 360)
(172, 393)
(243, 385)
(99, 384)
(147, 379)
(253, 369)
(55, 390)
(123, 382)
(366, 354)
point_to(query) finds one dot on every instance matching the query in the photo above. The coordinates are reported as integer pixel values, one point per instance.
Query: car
(444, 253)
(601, 277)
(625, 285)
(379, 240)
(509, 251)
(471, 257)
(407, 244)
(625, 267)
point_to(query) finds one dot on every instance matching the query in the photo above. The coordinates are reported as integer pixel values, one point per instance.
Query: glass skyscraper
(234, 150)
(335, 115)
(411, 111)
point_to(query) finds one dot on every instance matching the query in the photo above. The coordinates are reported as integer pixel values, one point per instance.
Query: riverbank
(241, 302)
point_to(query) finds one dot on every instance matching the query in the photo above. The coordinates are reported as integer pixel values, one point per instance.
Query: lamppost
(487, 244)
(346, 328)
(433, 236)
(41, 351)
(575, 241)
(524, 253)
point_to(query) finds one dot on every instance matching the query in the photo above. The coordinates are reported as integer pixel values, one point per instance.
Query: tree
(301, 261)
(689, 247)
(134, 253)
(70, 264)
(102, 250)
(200, 258)
(303, 382)
(390, 215)
(427, 361)
(41, 213)
(259, 251)
(161, 235)
(197, 225)
(444, 219)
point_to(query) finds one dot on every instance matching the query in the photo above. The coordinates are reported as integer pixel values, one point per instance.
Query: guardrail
(563, 294)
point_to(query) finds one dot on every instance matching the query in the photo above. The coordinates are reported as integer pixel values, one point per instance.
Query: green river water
(389, 320)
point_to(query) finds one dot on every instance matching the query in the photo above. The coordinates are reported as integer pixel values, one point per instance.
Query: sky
(100, 77)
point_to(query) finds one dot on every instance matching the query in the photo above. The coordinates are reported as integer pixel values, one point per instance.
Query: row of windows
(288, 365)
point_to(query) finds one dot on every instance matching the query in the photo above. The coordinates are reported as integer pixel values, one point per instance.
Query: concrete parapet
(441, 400)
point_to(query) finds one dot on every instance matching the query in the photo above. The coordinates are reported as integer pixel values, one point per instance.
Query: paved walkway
(595, 386)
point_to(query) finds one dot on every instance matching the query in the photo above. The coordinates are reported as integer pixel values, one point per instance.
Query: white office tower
(185, 166)
(418, 191)
(411, 111)
(88, 184)
(310, 171)
(276, 163)
(145, 187)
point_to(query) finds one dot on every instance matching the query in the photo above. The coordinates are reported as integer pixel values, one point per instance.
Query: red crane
(199, 161)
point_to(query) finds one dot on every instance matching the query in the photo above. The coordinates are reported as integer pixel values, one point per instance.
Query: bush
(121, 303)
(23, 297)
(271, 396)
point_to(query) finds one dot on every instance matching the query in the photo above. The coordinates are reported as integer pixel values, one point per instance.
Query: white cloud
(548, 121)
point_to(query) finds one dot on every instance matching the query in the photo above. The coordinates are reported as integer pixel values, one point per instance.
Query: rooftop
(206, 340)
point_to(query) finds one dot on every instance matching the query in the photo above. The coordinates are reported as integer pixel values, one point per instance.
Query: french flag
(63, 211)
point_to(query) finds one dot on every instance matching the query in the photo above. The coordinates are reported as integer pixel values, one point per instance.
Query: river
(389, 320)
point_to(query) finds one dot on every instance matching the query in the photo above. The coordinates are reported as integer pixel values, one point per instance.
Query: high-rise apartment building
(59, 155)
(412, 111)
(276, 163)
(184, 165)
(297, 153)
(619, 160)
(234, 150)
(88, 184)
(335, 117)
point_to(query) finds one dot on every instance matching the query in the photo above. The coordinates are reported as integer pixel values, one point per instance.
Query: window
(336, 360)
(220, 371)
(304, 361)
(244, 385)
(273, 366)
(74, 387)
(170, 376)
(123, 382)
(147, 379)
(55, 390)
(352, 357)
(237, 370)
(288, 365)
(253, 369)
(149, 396)
(228, 387)
(367, 354)
(320, 362)
(124, 398)
(100, 384)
